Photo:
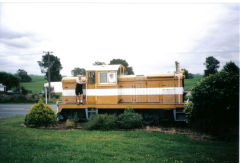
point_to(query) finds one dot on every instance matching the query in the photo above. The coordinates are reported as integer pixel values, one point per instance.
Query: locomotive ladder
(89, 112)
(178, 114)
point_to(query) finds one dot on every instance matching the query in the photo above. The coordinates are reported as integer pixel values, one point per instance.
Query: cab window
(91, 77)
(107, 78)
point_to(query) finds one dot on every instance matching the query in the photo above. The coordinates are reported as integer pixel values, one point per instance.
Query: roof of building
(152, 75)
(56, 85)
(103, 68)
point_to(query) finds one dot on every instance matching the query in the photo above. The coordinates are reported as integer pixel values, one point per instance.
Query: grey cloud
(223, 40)
(15, 39)
(14, 43)
(12, 61)
(7, 34)
(4, 63)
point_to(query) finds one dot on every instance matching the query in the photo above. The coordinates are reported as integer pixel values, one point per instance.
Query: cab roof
(104, 67)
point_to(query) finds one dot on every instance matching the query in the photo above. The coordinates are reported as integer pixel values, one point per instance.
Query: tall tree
(55, 68)
(78, 71)
(187, 74)
(123, 62)
(231, 67)
(24, 77)
(212, 64)
(99, 63)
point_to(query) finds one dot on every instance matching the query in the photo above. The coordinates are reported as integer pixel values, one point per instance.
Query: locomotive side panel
(71, 99)
(124, 90)
(141, 92)
(107, 100)
(164, 90)
(154, 98)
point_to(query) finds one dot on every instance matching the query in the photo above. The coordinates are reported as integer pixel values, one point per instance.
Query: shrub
(188, 109)
(56, 95)
(216, 101)
(75, 118)
(126, 120)
(40, 115)
(102, 122)
(24, 90)
(129, 119)
(19, 98)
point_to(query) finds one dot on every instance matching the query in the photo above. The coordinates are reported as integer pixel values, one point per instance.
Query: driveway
(12, 110)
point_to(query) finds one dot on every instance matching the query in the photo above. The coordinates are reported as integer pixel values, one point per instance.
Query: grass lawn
(36, 85)
(19, 144)
(189, 83)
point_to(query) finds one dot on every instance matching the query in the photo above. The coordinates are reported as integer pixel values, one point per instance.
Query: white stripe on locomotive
(127, 91)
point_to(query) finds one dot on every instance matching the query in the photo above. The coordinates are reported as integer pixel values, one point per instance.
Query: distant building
(56, 87)
(2, 88)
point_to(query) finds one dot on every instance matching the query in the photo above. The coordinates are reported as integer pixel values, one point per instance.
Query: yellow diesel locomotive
(109, 88)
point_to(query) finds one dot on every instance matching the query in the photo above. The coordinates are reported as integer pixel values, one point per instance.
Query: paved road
(12, 110)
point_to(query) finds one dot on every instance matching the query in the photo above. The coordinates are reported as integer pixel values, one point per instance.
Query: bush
(129, 119)
(102, 122)
(216, 101)
(24, 91)
(19, 98)
(126, 120)
(188, 109)
(56, 95)
(75, 118)
(40, 115)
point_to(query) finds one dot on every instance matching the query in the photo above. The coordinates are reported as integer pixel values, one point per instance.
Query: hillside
(36, 85)
(189, 83)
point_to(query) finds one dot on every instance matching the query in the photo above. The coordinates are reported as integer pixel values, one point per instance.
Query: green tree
(55, 67)
(231, 68)
(212, 64)
(187, 74)
(78, 71)
(24, 77)
(9, 80)
(215, 101)
(99, 63)
(123, 62)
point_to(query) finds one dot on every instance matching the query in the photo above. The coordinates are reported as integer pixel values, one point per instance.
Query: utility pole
(49, 74)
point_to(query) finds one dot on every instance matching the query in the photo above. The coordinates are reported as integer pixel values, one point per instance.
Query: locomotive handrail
(59, 102)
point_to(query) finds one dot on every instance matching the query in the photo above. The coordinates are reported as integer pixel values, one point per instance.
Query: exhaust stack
(177, 66)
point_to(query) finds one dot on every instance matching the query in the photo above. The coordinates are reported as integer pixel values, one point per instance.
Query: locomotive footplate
(120, 106)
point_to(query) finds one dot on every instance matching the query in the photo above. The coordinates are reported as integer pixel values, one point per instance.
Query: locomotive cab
(102, 83)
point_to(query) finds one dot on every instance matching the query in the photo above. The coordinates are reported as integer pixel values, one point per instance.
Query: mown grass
(36, 85)
(189, 83)
(19, 144)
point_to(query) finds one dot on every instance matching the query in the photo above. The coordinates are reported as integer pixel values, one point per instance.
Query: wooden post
(45, 95)
(49, 79)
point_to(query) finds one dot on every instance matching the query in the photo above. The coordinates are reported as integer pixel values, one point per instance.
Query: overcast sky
(150, 37)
